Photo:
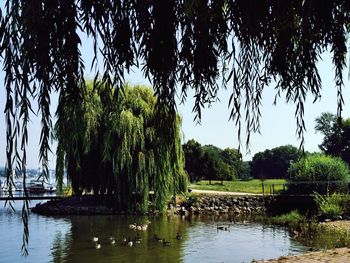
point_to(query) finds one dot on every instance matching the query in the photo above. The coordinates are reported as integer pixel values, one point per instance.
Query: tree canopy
(336, 131)
(274, 163)
(209, 162)
(114, 145)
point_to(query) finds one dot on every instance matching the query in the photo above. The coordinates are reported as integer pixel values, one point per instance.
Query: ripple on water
(241, 243)
(68, 239)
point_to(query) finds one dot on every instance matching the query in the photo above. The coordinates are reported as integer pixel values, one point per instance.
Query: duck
(138, 239)
(132, 226)
(130, 243)
(178, 236)
(111, 237)
(95, 238)
(156, 238)
(220, 227)
(98, 245)
(139, 228)
(144, 227)
(124, 240)
(165, 243)
(113, 241)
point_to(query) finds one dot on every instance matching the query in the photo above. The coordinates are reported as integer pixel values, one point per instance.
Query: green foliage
(119, 148)
(193, 155)
(319, 167)
(274, 163)
(331, 206)
(336, 131)
(290, 219)
(210, 162)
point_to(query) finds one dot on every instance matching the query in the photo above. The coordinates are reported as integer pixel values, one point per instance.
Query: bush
(319, 167)
(331, 206)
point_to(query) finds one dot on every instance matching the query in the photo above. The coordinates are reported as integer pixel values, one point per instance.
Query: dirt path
(212, 192)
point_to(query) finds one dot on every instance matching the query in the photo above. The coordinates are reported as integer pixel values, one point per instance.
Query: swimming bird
(178, 236)
(138, 239)
(157, 238)
(112, 241)
(98, 245)
(144, 227)
(166, 243)
(132, 226)
(139, 228)
(95, 238)
(130, 243)
(124, 240)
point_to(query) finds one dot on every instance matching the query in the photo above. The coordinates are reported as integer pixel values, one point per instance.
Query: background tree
(233, 158)
(336, 131)
(193, 159)
(274, 163)
(209, 162)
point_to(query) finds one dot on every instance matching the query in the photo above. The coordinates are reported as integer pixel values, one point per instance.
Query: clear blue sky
(278, 124)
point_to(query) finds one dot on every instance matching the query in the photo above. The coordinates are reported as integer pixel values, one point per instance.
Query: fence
(307, 188)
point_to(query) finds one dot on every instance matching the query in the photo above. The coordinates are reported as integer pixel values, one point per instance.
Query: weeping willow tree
(116, 146)
(180, 44)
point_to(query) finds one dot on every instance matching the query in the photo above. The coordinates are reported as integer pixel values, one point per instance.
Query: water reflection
(69, 239)
(201, 240)
(77, 244)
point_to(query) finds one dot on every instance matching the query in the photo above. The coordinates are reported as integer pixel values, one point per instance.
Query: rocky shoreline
(235, 205)
(194, 205)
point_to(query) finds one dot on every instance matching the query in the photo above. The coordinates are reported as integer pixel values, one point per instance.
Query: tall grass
(331, 206)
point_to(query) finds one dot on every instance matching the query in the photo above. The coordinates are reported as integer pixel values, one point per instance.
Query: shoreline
(201, 204)
(336, 255)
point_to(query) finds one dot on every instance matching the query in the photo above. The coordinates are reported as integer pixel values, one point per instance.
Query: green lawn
(249, 186)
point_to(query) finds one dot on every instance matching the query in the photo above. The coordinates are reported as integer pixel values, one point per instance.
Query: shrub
(319, 167)
(331, 206)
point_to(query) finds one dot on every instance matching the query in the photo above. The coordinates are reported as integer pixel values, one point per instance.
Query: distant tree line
(284, 162)
(274, 163)
(209, 162)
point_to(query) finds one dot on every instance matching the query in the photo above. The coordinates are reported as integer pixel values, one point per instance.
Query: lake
(69, 239)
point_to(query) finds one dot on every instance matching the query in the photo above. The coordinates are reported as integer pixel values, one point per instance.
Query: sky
(278, 124)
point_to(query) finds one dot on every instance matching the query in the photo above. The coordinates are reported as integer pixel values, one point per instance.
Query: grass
(292, 218)
(250, 186)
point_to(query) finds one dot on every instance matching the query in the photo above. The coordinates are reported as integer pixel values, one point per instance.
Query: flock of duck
(137, 240)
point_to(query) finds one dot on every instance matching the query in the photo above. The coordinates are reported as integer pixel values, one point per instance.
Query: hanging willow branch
(121, 149)
(179, 44)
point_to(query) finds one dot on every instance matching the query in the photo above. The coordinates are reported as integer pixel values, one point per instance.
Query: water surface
(69, 239)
